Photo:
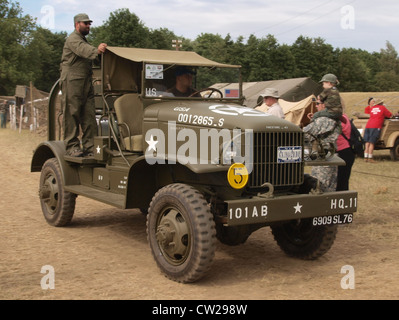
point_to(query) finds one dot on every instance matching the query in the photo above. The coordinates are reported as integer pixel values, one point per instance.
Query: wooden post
(13, 117)
(21, 112)
(32, 108)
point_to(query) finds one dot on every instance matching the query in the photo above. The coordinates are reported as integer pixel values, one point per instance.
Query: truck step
(113, 199)
(80, 160)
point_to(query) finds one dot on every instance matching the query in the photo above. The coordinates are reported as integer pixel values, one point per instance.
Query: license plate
(344, 218)
(289, 154)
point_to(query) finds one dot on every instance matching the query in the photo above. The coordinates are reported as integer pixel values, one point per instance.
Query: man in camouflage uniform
(331, 98)
(77, 88)
(327, 130)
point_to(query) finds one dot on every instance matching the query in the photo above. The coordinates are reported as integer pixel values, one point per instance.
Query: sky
(359, 24)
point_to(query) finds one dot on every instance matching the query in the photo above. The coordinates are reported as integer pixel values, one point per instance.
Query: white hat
(270, 92)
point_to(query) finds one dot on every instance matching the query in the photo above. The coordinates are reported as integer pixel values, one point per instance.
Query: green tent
(291, 90)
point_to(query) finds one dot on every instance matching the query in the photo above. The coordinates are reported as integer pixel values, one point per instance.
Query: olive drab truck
(202, 167)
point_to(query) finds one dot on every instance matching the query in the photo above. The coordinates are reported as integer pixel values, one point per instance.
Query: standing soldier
(77, 88)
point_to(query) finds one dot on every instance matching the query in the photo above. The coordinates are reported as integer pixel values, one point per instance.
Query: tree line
(29, 52)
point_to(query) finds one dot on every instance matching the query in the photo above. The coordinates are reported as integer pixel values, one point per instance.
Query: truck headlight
(230, 152)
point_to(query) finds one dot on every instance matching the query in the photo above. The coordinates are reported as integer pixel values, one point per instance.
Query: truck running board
(113, 199)
(80, 160)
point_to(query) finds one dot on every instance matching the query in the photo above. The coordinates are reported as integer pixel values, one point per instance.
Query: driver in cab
(184, 82)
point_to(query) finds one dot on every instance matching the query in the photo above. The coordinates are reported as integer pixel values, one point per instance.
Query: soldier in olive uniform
(331, 98)
(77, 88)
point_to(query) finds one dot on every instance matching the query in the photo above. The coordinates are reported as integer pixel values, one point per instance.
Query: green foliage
(122, 29)
(14, 34)
(313, 58)
(46, 49)
(31, 53)
(161, 39)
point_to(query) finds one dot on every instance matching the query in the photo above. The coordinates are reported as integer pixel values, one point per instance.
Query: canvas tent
(291, 90)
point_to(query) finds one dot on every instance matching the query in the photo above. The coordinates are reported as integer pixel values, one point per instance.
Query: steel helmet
(330, 78)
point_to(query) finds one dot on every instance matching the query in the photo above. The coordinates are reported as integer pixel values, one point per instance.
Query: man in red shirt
(373, 128)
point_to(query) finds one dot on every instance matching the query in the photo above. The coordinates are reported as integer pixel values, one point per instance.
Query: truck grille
(265, 160)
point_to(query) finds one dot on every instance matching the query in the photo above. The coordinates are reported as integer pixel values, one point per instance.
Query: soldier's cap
(82, 17)
(183, 70)
(270, 92)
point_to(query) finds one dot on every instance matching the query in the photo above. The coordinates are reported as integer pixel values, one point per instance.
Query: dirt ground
(104, 253)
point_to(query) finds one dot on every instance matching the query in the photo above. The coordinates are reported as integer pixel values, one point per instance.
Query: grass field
(357, 101)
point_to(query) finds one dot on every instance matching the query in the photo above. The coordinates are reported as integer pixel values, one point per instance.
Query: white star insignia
(298, 208)
(152, 144)
(98, 150)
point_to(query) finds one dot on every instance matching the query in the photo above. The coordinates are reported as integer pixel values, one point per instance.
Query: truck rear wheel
(301, 239)
(395, 151)
(58, 205)
(181, 233)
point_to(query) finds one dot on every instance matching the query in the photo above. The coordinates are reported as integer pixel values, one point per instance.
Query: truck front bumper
(262, 209)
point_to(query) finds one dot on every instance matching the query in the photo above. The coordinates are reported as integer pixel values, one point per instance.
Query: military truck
(202, 167)
(389, 136)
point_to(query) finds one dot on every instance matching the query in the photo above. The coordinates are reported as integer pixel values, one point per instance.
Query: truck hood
(216, 115)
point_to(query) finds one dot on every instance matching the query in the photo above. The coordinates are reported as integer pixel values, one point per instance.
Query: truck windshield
(188, 81)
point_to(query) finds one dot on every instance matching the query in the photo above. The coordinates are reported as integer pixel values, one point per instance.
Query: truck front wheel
(181, 232)
(301, 239)
(395, 151)
(58, 205)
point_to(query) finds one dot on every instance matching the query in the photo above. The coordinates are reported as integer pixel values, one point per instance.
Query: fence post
(13, 118)
(20, 117)
(33, 120)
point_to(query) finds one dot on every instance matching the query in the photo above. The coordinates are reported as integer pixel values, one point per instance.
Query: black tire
(58, 206)
(181, 233)
(232, 236)
(395, 151)
(301, 239)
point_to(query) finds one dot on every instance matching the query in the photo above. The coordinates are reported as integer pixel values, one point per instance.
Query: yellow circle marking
(237, 175)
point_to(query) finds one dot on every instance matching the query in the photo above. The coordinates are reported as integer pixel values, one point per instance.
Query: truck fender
(54, 149)
(145, 179)
(392, 138)
(142, 184)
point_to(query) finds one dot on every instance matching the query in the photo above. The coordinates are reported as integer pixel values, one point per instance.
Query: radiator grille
(265, 160)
